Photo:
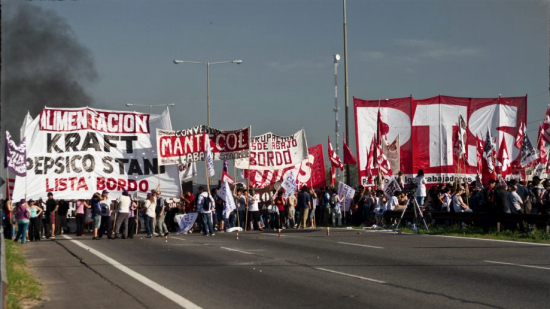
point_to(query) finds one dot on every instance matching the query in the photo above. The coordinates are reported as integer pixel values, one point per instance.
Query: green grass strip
(22, 286)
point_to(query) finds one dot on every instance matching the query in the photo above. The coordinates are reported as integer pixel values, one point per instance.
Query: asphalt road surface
(302, 269)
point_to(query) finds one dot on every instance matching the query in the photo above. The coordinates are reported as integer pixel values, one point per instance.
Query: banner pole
(8, 182)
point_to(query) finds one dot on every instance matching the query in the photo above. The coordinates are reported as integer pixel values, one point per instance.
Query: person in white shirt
(124, 202)
(515, 200)
(150, 205)
(445, 199)
(420, 182)
(254, 210)
(205, 205)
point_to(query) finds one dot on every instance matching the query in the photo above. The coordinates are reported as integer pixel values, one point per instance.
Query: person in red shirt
(280, 201)
(188, 200)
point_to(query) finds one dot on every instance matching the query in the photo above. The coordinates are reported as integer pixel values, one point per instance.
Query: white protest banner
(270, 152)
(289, 184)
(74, 152)
(391, 186)
(185, 222)
(225, 194)
(177, 147)
(347, 192)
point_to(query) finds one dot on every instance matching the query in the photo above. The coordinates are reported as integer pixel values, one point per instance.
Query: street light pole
(346, 85)
(336, 58)
(207, 79)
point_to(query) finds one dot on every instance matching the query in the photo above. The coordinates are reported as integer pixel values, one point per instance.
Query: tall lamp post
(207, 77)
(346, 84)
(150, 106)
(336, 125)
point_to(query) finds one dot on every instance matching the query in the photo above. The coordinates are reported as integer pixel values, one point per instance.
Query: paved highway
(302, 269)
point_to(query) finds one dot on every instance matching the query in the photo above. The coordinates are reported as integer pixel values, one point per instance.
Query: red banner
(430, 126)
(181, 147)
(310, 172)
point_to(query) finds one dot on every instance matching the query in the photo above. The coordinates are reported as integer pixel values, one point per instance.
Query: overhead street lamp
(150, 106)
(207, 77)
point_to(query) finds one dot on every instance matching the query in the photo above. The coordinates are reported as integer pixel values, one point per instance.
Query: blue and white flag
(347, 193)
(225, 194)
(289, 183)
(209, 158)
(185, 222)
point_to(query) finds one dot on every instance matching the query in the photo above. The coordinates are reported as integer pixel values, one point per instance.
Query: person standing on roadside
(150, 205)
(205, 203)
(161, 210)
(305, 205)
(61, 217)
(124, 202)
(22, 216)
(106, 222)
(96, 214)
(81, 206)
(34, 221)
(254, 210)
(292, 202)
(51, 208)
(8, 226)
(132, 224)
(420, 181)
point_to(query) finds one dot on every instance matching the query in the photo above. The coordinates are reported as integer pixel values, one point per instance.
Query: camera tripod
(417, 214)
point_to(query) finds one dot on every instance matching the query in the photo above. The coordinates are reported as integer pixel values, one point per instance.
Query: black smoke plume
(43, 64)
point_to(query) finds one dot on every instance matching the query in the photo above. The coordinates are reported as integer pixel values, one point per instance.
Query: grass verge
(22, 286)
(536, 236)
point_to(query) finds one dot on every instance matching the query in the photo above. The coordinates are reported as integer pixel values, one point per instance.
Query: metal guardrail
(3, 273)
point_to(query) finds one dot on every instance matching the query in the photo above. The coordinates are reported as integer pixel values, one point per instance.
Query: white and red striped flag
(333, 157)
(383, 163)
(541, 146)
(546, 126)
(503, 158)
(227, 178)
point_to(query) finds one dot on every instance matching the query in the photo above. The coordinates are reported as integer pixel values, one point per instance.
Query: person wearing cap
(51, 208)
(34, 221)
(22, 215)
(123, 203)
(106, 226)
(149, 217)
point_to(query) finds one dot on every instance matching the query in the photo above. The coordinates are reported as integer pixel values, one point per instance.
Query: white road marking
(521, 265)
(173, 237)
(350, 275)
(236, 250)
(496, 240)
(179, 300)
(359, 245)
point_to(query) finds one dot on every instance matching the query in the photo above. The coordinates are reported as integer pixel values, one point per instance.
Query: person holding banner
(106, 222)
(96, 214)
(81, 206)
(124, 202)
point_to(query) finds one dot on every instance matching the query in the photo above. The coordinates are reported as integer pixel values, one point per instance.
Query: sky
(470, 48)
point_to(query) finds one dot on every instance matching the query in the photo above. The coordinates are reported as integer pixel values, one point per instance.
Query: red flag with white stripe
(541, 146)
(227, 178)
(504, 160)
(333, 157)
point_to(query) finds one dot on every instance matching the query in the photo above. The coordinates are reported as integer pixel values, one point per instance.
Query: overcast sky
(471, 48)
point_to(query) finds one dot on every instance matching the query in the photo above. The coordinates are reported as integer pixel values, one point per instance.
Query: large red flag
(348, 157)
(504, 159)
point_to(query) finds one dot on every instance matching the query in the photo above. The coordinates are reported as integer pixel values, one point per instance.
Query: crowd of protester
(122, 218)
